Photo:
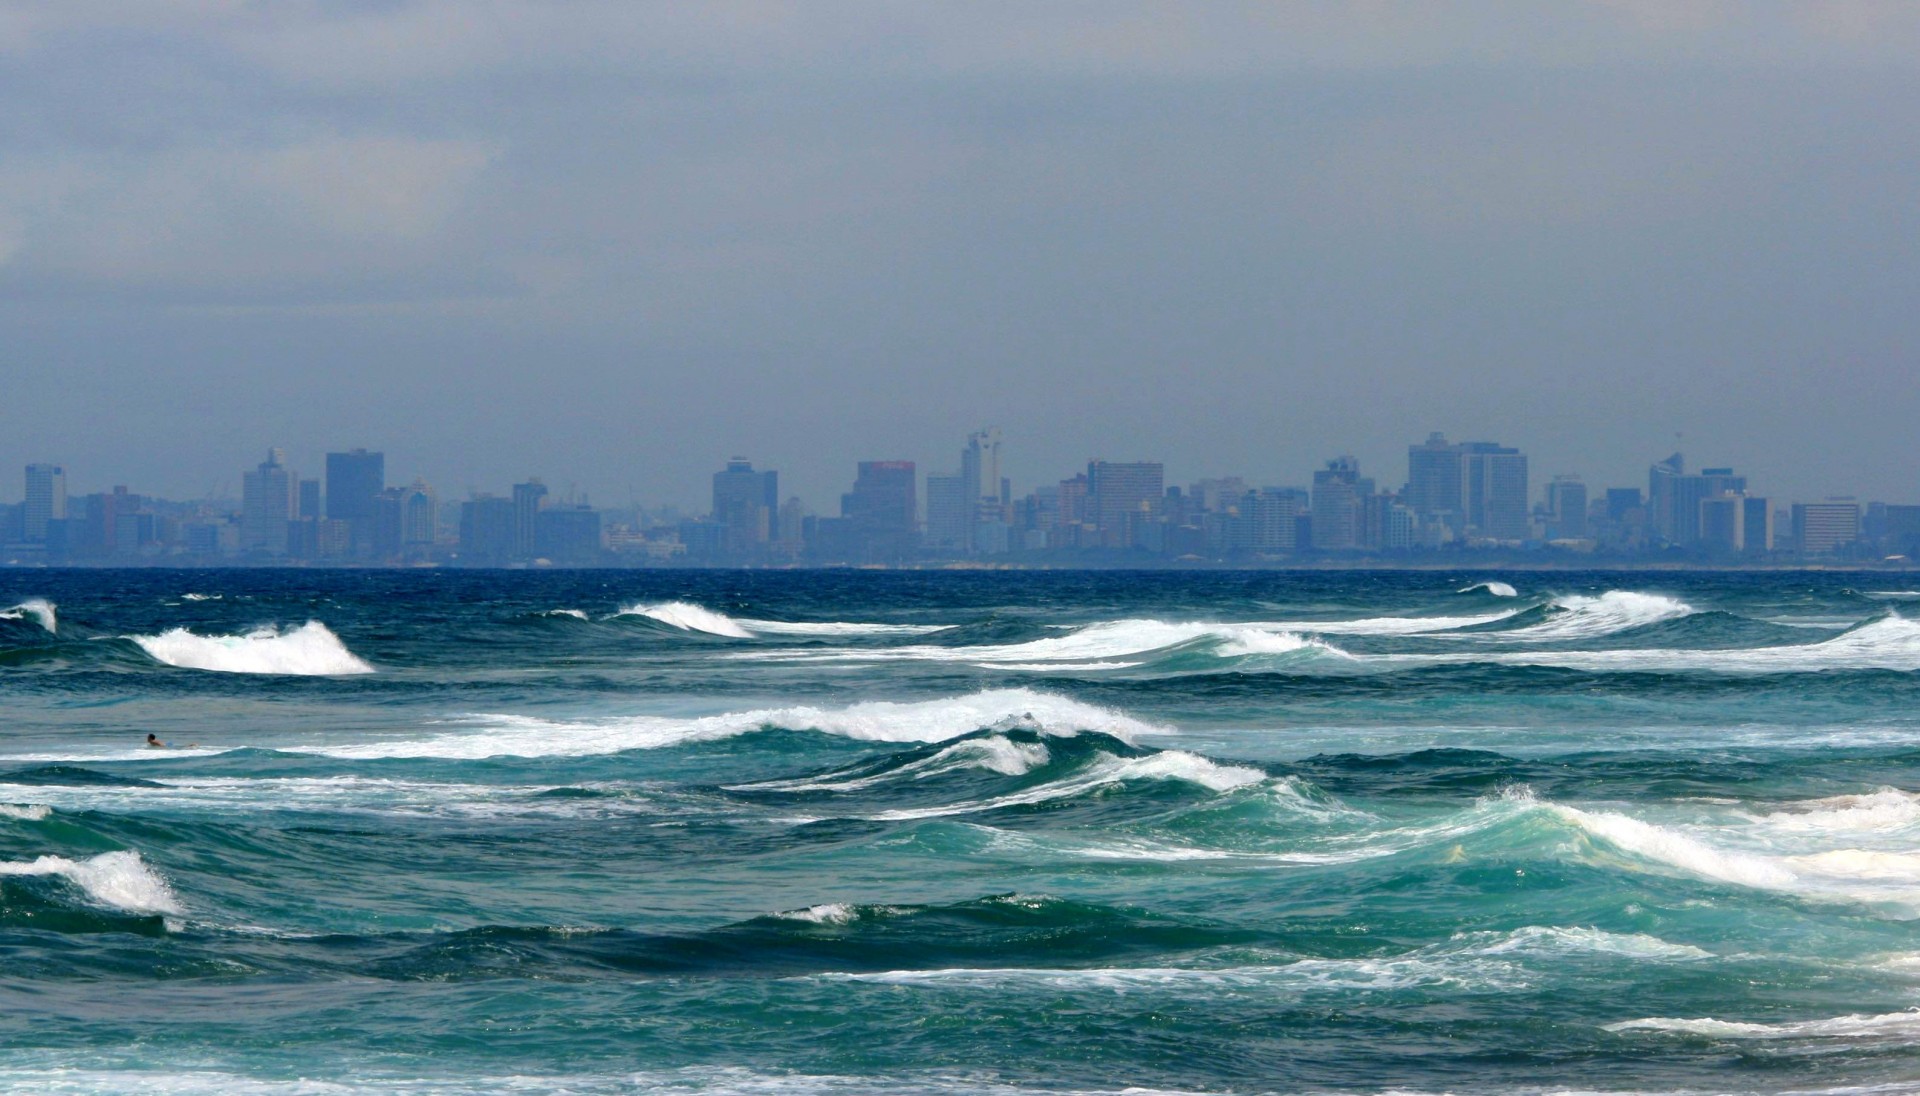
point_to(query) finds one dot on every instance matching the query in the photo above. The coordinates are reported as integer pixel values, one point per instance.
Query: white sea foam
(1582, 617)
(1890, 643)
(1497, 589)
(39, 608)
(202, 597)
(839, 628)
(1302, 976)
(1104, 770)
(1095, 646)
(310, 649)
(833, 913)
(993, 753)
(1872, 876)
(25, 812)
(119, 879)
(871, 721)
(1872, 812)
(1900, 1025)
(1552, 940)
(689, 617)
(577, 614)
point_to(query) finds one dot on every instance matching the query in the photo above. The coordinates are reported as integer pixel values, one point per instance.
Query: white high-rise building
(46, 499)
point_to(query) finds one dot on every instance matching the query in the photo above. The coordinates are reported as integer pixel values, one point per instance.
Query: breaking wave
(118, 879)
(1580, 616)
(1496, 589)
(310, 649)
(40, 609)
(1904, 1025)
(1890, 643)
(688, 617)
(1104, 770)
(872, 721)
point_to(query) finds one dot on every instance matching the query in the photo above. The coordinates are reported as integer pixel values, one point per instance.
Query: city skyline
(1471, 495)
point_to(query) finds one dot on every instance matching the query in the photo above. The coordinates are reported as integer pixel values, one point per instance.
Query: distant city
(1460, 502)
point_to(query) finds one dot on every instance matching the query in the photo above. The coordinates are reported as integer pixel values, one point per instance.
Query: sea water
(855, 832)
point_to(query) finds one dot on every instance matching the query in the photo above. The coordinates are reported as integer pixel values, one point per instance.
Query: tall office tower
(1123, 497)
(746, 502)
(568, 534)
(1721, 526)
(1567, 508)
(1337, 506)
(1270, 519)
(882, 510)
(268, 502)
(46, 499)
(419, 517)
(310, 499)
(1674, 497)
(949, 514)
(1435, 489)
(1821, 528)
(1661, 478)
(1212, 496)
(354, 480)
(1495, 481)
(528, 498)
(980, 471)
(486, 530)
(1756, 525)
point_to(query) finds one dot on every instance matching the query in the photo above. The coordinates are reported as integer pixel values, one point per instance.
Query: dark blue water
(875, 832)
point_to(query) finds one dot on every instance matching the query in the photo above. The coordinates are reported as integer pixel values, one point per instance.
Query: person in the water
(153, 742)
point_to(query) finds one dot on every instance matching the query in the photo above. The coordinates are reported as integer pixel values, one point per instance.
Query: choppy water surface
(871, 832)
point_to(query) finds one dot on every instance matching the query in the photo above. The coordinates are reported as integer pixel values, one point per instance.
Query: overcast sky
(613, 243)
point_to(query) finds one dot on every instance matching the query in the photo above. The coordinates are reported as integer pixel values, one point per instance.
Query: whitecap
(25, 812)
(1103, 771)
(202, 597)
(119, 879)
(689, 617)
(310, 649)
(870, 721)
(994, 753)
(1496, 589)
(576, 614)
(1583, 617)
(1890, 1024)
(39, 608)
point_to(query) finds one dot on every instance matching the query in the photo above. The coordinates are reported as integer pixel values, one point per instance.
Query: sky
(612, 244)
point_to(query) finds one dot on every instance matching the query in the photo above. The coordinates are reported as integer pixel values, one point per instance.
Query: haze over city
(611, 247)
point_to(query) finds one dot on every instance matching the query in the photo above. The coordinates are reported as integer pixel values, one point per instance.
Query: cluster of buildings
(1458, 497)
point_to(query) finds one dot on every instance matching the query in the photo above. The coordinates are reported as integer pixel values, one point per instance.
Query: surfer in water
(153, 742)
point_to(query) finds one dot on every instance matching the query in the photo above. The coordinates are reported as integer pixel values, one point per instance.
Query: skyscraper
(419, 517)
(268, 502)
(949, 513)
(1337, 499)
(1674, 497)
(1122, 496)
(882, 510)
(1567, 508)
(528, 498)
(46, 499)
(1821, 528)
(1435, 490)
(1495, 480)
(486, 530)
(746, 502)
(354, 480)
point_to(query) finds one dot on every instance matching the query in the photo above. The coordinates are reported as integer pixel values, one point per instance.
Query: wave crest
(871, 721)
(118, 879)
(308, 650)
(39, 608)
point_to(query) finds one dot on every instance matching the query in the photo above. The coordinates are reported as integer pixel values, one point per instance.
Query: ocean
(857, 832)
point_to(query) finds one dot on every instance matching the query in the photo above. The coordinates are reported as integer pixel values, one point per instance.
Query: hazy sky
(612, 243)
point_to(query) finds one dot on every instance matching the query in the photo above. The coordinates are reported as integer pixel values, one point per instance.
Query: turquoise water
(879, 832)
